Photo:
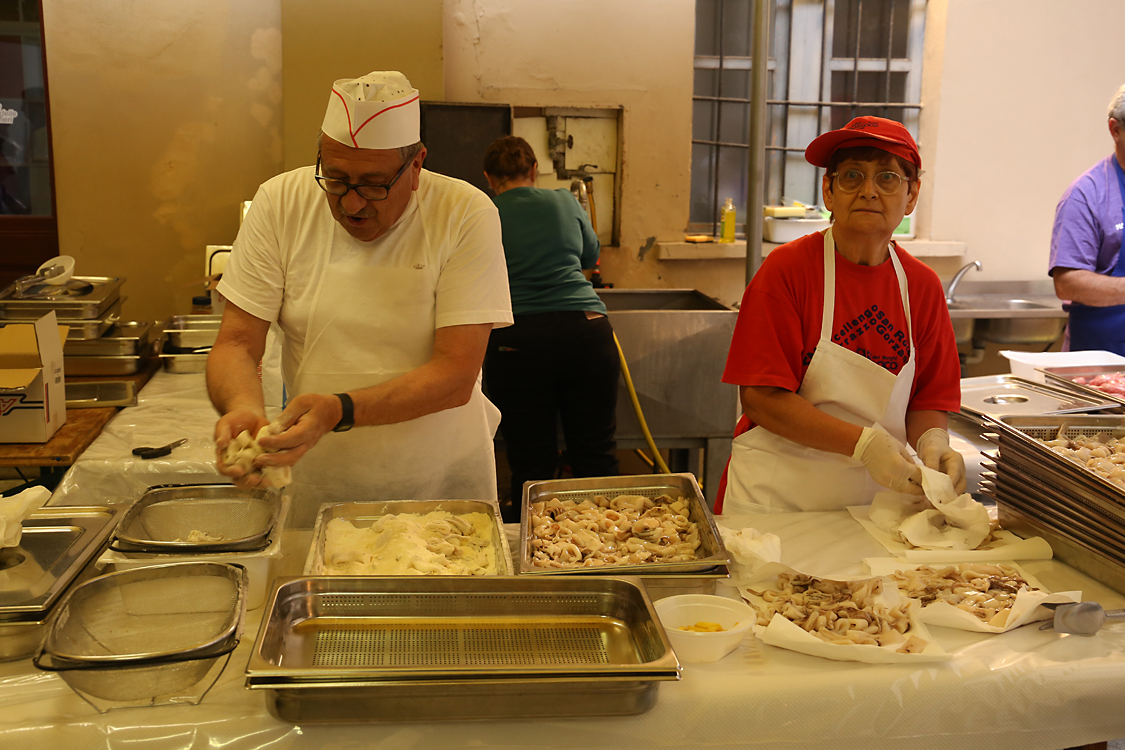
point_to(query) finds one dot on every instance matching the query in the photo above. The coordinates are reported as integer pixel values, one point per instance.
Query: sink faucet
(952, 288)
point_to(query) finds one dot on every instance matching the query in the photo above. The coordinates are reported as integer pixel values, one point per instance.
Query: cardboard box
(32, 393)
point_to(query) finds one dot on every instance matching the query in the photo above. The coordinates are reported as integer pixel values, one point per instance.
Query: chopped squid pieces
(840, 612)
(986, 591)
(1102, 454)
(623, 530)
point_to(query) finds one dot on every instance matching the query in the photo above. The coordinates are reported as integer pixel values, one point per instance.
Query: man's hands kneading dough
(888, 462)
(244, 448)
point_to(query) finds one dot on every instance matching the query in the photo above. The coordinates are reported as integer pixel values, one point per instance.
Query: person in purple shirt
(1086, 263)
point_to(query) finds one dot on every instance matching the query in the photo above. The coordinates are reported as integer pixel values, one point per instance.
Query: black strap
(347, 416)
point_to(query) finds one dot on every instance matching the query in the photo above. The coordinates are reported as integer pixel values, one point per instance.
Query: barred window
(829, 61)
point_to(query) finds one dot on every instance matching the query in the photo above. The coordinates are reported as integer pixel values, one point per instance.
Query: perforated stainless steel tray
(712, 552)
(365, 513)
(163, 519)
(355, 648)
(1064, 378)
(999, 395)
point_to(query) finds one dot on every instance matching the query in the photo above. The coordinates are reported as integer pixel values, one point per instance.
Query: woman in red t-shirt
(843, 349)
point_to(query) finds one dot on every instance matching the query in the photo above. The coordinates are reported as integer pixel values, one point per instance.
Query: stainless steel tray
(180, 362)
(1051, 506)
(101, 393)
(124, 338)
(57, 543)
(106, 291)
(84, 366)
(192, 331)
(999, 395)
(357, 648)
(711, 550)
(1063, 377)
(163, 518)
(1074, 553)
(368, 512)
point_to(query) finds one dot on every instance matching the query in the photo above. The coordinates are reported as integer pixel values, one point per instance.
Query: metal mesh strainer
(212, 518)
(160, 613)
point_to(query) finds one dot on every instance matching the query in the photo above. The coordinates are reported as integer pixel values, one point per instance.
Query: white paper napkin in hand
(16, 508)
(941, 520)
(750, 550)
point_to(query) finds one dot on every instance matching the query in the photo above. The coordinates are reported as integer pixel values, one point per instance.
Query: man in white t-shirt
(386, 280)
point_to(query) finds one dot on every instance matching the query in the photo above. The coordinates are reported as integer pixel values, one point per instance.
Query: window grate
(829, 61)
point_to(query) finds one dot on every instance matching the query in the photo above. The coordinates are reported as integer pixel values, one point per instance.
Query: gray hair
(406, 152)
(1117, 106)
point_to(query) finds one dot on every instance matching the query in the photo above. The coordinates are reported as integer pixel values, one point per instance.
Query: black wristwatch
(347, 417)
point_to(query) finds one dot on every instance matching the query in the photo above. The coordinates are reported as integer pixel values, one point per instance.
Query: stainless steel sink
(1005, 319)
(1019, 330)
(962, 327)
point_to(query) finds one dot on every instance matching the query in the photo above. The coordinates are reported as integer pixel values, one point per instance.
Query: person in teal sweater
(558, 362)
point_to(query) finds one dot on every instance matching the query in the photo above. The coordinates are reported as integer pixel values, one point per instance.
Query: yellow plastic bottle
(726, 233)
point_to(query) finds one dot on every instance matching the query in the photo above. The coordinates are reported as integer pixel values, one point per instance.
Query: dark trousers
(550, 368)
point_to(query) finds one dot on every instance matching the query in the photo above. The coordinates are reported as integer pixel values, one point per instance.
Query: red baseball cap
(888, 135)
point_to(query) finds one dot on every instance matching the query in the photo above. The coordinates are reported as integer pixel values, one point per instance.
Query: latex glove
(888, 462)
(934, 450)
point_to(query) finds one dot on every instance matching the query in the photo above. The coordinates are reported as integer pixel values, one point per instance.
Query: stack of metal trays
(56, 551)
(363, 514)
(661, 578)
(88, 304)
(1065, 377)
(122, 350)
(188, 340)
(203, 518)
(1041, 492)
(358, 648)
(992, 396)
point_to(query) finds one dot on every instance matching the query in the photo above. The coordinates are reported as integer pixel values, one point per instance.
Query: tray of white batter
(363, 515)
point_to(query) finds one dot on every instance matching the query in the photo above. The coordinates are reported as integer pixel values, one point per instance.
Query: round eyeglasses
(851, 180)
(333, 186)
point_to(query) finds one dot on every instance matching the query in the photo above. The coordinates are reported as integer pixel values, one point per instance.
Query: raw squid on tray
(839, 612)
(623, 530)
(1102, 454)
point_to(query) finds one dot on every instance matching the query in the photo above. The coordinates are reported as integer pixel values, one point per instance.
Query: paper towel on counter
(1024, 609)
(1002, 547)
(941, 520)
(16, 508)
(750, 551)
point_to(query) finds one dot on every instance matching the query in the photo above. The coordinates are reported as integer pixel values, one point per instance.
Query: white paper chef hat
(378, 110)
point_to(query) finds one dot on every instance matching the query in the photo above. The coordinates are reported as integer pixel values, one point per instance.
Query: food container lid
(57, 542)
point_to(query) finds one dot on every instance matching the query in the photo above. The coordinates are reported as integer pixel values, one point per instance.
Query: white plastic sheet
(1023, 690)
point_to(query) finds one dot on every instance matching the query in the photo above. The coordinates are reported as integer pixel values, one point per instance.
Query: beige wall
(330, 39)
(1024, 90)
(590, 53)
(165, 116)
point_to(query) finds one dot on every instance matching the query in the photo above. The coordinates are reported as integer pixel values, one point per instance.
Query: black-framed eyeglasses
(851, 180)
(333, 186)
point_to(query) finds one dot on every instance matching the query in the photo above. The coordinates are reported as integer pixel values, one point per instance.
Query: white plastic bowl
(734, 616)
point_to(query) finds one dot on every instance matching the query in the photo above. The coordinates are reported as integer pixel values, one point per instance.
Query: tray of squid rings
(645, 525)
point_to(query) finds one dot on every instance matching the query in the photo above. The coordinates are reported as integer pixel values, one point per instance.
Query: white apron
(769, 473)
(369, 324)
